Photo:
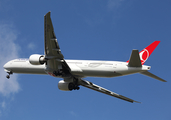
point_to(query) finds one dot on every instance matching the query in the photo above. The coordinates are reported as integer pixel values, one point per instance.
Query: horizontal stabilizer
(152, 75)
(134, 60)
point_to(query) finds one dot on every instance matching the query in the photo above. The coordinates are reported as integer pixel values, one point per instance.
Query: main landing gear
(57, 73)
(73, 85)
(9, 73)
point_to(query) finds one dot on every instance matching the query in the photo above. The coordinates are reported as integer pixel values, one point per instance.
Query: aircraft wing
(52, 50)
(95, 87)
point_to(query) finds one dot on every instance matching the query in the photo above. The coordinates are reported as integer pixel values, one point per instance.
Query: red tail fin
(146, 52)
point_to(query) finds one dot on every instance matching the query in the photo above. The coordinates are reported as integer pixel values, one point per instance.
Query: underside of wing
(52, 48)
(95, 87)
(55, 59)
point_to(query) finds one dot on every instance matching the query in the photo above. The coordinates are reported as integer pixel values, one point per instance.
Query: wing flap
(95, 87)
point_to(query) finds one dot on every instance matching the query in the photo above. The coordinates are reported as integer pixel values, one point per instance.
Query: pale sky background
(91, 30)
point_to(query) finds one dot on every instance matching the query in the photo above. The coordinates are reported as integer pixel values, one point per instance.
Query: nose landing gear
(9, 73)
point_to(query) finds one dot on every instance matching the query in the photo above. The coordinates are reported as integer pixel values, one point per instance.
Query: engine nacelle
(68, 86)
(37, 59)
(62, 85)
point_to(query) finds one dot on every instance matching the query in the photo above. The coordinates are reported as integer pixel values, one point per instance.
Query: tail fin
(146, 52)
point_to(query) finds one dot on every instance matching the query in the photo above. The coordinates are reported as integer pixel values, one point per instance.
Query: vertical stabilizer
(145, 53)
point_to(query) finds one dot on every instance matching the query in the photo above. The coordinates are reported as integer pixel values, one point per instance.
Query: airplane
(73, 72)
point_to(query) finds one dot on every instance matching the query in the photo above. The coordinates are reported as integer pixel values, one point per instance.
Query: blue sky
(91, 30)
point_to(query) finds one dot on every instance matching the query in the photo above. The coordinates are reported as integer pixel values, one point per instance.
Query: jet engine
(37, 59)
(67, 86)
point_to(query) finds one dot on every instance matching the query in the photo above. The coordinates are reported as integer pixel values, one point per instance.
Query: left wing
(95, 87)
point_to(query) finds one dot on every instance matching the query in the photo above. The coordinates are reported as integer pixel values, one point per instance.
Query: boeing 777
(73, 71)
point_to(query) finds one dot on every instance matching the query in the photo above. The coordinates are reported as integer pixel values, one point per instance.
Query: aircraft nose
(7, 66)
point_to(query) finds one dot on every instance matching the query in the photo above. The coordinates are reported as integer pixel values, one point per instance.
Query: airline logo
(144, 54)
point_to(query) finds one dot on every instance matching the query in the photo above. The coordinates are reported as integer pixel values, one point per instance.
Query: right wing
(52, 49)
(55, 59)
(95, 87)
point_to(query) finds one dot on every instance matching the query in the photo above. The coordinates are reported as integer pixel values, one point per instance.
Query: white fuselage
(82, 68)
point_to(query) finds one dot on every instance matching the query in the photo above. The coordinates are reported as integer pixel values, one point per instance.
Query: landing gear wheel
(8, 76)
(9, 73)
(71, 86)
(78, 88)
